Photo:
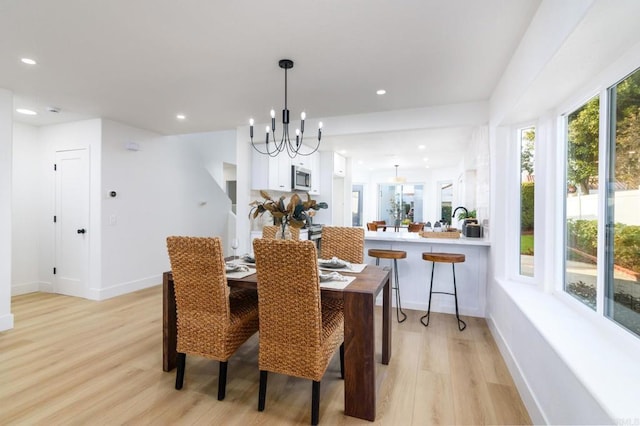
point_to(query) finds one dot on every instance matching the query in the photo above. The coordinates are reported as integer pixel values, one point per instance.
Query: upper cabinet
(339, 165)
(273, 173)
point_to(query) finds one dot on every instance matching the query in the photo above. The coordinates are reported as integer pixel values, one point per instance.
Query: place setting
(336, 264)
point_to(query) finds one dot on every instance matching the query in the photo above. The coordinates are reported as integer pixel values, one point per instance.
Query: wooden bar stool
(452, 258)
(394, 255)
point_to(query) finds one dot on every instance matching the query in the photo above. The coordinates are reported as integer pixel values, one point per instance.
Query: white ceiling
(141, 62)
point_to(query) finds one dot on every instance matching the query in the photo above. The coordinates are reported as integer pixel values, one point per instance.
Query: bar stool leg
(433, 267)
(455, 295)
(397, 288)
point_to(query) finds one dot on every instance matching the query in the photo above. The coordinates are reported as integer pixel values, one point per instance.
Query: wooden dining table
(359, 298)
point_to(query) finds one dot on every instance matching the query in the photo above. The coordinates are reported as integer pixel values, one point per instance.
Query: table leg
(169, 323)
(386, 322)
(359, 352)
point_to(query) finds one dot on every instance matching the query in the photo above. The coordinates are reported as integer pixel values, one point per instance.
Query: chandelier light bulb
(320, 125)
(303, 115)
(273, 113)
(251, 122)
(297, 132)
(267, 129)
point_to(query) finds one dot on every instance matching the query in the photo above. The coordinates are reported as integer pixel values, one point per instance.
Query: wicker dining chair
(299, 330)
(342, 242)
(372, 226)
(415, 227)
(269, 231)
(212, 321)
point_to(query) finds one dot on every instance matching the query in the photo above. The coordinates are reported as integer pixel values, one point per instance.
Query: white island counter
(415, 273)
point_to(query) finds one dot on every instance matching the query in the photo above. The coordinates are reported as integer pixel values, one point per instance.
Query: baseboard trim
(527, 396)
(124, 288)
(6, 322)
(32, 287)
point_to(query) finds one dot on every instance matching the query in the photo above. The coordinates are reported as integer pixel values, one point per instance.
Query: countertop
(414, 237)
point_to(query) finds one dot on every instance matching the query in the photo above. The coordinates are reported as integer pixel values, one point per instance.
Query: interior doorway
(71, 222)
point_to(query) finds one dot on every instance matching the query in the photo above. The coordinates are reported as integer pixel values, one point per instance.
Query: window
(622, 247)
(602, 233)
(527, 137)
(356, 205)
(582, 201)
(400, 202)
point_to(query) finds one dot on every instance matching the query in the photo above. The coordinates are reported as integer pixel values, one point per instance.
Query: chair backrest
(416, 227)
(372, 226)
(344, 243)
(202, 294)
(269, 231)
(288, 304)
(381, 222)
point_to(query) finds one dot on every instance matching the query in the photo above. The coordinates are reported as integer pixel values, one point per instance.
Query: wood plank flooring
(72, 361)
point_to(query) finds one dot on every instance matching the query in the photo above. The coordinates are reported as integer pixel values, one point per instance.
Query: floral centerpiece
(295, 213)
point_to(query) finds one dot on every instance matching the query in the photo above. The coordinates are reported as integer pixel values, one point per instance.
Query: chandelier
(293, 148)
(398, 179)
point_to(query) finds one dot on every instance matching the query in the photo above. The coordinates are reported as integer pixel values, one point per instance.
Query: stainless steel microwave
(300, 178)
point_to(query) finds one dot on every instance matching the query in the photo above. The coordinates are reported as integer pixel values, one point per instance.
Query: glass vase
(284, 233)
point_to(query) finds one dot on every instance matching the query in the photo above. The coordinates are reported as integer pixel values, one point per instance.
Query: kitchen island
(415, 273)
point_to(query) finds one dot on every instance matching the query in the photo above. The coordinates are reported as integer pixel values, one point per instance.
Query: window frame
(513, 244)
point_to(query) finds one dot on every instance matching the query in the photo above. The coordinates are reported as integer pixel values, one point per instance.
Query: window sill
(602, 356)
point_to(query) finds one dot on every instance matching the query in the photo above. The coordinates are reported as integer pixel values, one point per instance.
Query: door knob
(82, 231)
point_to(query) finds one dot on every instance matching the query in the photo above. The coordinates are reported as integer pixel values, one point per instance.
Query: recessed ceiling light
(343, 151)
(381, 92)
(421, 147)
(28, 61)
(26, 111)
(181, 116)
(426, 158)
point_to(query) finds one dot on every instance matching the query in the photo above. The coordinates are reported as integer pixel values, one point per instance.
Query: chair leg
(315, 402)
(342, 361)
(180, 363)
(455, 294)
(397, 288)
(262, 393)
(222, 380)
(430, 294)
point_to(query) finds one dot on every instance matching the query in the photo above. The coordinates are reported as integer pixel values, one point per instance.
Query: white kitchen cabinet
(314, 162)
(339, 165)
(272, 173)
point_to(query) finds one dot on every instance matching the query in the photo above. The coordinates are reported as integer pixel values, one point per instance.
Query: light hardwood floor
(73, 361)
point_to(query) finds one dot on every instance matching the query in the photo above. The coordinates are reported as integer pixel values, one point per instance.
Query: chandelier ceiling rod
(293, 148)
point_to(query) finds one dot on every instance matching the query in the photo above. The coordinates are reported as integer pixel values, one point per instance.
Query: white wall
(165, 188)
(27, 177)
(6, 121)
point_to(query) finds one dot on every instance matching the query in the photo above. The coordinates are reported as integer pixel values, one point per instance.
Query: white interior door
(72, 222)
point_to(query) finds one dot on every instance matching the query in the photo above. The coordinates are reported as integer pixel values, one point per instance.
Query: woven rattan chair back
(372, 226)
(416, 227)
(289, 307)
(269, 231)
(202, 295)
(342, 242)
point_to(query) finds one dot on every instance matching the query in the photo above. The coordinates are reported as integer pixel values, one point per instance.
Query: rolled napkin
(334, 263)
(234, 267)
(332, 276)
(248, 258)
